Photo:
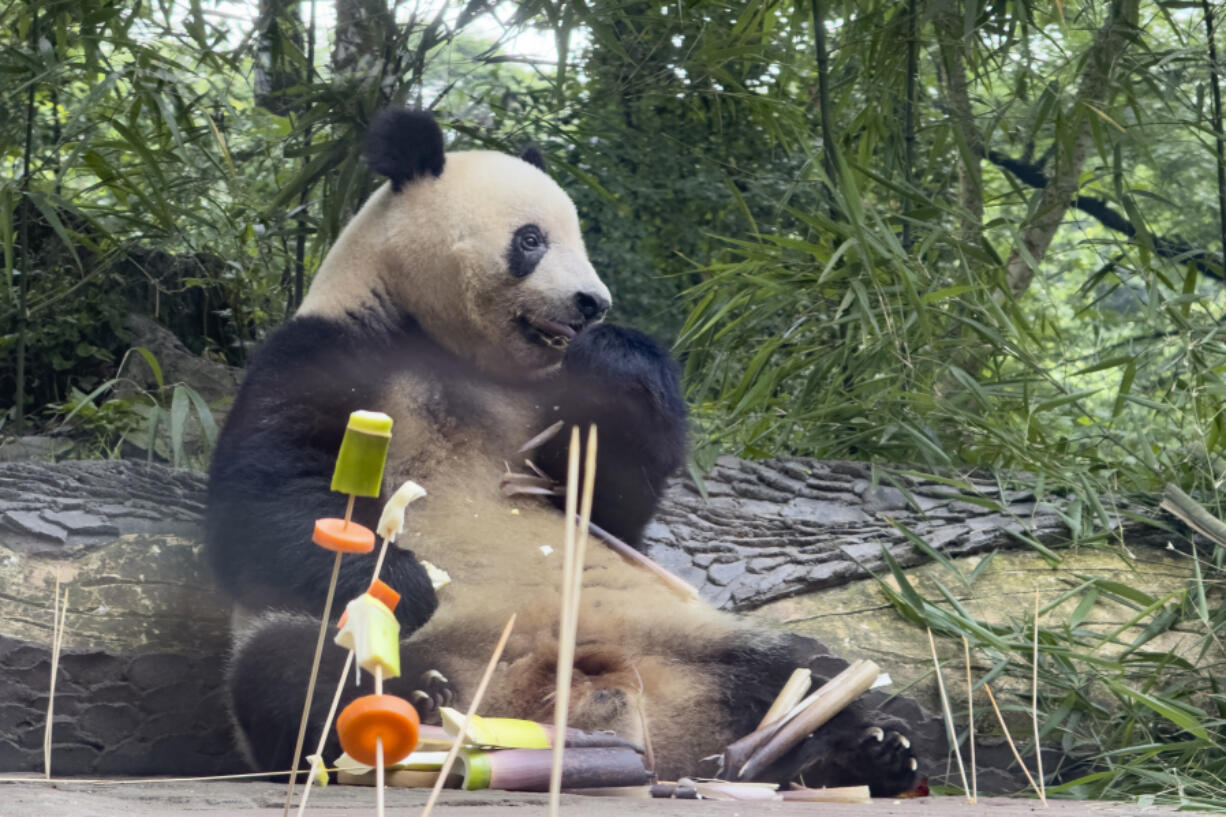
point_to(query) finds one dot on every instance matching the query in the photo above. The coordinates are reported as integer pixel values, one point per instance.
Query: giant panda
(460, 300)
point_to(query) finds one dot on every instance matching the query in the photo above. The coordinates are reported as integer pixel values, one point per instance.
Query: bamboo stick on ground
(1034, 703)
(57, 640)
(949, 715)
(834, 794)
(970, 719)
(1016, 754)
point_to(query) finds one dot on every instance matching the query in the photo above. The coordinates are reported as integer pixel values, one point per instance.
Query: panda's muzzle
(548, 332)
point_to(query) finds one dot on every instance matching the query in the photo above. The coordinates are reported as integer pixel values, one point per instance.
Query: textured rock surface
(137, 690)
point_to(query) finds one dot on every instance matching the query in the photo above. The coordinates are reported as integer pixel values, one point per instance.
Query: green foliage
(1139, 719)
(875, 258)
(172, 423)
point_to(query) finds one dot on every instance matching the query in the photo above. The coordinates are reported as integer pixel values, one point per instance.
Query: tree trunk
(139, 685)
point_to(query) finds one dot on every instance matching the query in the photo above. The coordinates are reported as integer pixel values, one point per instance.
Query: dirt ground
(230, 799)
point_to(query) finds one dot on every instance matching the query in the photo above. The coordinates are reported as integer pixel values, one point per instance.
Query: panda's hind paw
(433, 691)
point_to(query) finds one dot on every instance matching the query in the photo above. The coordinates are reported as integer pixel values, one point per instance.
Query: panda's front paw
(432, 692)
(851, 751)
(620, 360)
(885, 758)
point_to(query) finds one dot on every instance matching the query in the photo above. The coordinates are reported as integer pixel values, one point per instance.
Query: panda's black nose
(591, 307)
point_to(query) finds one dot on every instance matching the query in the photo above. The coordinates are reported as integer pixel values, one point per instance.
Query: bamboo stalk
(949, 715)
(830, 699)
(792, 693)
(468, 716)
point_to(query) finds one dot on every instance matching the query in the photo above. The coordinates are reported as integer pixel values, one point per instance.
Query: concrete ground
(230, 799)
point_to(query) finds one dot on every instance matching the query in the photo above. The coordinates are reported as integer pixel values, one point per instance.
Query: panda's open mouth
(546, 332)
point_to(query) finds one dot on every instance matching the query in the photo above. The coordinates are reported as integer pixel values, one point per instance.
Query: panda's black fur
(396, 321)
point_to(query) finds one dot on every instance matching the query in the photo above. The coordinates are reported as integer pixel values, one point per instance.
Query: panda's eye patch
(528, 246)
(530, 238)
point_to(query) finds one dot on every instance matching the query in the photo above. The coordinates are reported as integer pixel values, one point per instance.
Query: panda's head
(481, 248)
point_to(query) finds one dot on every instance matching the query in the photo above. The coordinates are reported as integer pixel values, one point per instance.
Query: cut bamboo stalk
(793, 692)
(949, 715)
(728, 790)
(1016, 754)
(970, 719)
(830, 699)
(835, 794)
(472, 710)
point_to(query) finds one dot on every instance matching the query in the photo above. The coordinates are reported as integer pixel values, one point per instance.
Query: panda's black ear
(404, 144)
(533, 156)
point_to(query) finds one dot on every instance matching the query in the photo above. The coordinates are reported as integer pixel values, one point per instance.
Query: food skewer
(358, 472)
(391, 525)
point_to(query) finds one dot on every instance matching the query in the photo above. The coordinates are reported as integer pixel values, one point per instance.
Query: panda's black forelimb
(630, 387)
(271, 473)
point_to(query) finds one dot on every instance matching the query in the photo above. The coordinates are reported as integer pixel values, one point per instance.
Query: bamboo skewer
(319, 651)
(317, 758)
(1017, 755)
(572, 583)
(57, 640)
(970, 719)
(379, 770)
(1034, 703)
(468, 716)
(949, 716)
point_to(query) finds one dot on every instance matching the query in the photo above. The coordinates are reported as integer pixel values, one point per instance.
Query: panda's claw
(433, 691)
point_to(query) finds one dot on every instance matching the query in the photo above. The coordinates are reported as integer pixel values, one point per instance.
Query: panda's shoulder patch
(403, 144)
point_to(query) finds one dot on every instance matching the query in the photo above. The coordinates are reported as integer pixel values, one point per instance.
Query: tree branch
(1173, 249)
(1093, 94)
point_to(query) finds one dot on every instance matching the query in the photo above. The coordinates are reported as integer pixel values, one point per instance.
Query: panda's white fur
(415, 313)
(438, 248)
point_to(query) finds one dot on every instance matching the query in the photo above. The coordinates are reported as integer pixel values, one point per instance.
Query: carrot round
(378, 716)
(336, 534)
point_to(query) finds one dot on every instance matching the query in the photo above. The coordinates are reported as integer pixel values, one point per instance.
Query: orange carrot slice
(334, 534)
(378, 716)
